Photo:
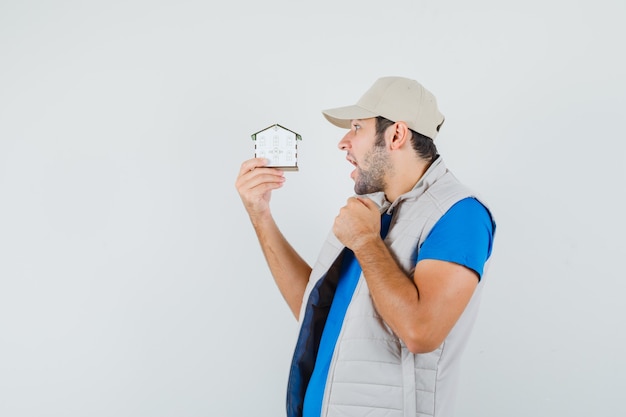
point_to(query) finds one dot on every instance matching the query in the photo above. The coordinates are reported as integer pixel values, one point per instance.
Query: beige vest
(372, 373)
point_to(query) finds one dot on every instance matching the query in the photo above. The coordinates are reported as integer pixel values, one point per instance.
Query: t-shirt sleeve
(463, 235)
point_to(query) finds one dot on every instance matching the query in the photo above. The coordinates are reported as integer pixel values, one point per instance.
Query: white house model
(279, 145)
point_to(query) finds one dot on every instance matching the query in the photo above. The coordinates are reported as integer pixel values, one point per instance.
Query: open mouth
(354, 163)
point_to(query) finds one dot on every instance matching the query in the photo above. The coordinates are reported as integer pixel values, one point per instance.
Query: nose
(344, 143)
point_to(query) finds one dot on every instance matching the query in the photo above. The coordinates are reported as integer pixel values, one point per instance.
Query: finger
(364, 200)
(358, 204)
(249, 171)
(260, 178)
(369, 203)
(351, 201)
(252, 164)
(264, 187)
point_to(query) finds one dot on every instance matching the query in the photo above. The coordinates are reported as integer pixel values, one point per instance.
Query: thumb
(369, 203)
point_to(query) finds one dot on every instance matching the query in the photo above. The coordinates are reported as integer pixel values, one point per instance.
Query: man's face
(371, 160)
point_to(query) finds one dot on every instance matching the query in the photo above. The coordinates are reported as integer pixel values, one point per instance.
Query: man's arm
(421, 309)
(255, 183)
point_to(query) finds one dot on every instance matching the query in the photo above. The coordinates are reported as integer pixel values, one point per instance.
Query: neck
(404, 177)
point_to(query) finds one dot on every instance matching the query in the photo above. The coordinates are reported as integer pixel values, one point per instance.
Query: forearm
(422, 309)
(290, 271)
(394, 294)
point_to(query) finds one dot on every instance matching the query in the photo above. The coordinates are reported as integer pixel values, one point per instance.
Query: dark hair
(423, 145)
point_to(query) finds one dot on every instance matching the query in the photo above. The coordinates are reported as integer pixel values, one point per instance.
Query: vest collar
(435, 171)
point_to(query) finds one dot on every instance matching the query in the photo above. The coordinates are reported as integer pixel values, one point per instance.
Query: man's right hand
(291, 273)
(255, 183)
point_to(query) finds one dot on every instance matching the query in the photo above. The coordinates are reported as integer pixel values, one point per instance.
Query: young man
(387, 309)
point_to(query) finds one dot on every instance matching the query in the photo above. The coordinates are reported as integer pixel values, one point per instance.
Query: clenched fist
(357, 222)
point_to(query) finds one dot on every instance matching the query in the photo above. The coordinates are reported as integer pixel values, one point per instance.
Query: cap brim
(341, 116)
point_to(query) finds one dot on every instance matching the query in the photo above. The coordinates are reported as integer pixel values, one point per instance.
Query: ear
(401, 134)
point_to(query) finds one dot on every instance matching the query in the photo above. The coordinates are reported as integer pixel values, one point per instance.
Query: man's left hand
(357, 223)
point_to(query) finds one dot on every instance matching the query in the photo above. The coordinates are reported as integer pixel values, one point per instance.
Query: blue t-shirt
(463, 235)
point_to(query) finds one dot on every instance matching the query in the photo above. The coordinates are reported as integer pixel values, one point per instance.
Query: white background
(131, 283)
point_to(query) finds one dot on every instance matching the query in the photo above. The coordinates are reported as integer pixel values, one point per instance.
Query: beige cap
(397, 99)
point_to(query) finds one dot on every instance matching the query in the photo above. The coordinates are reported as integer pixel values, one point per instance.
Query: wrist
(366, 243)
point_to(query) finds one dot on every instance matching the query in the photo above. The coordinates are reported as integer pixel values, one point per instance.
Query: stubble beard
(372, 179)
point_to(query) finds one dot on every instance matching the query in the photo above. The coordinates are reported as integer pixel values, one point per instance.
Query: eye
(356, 126)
